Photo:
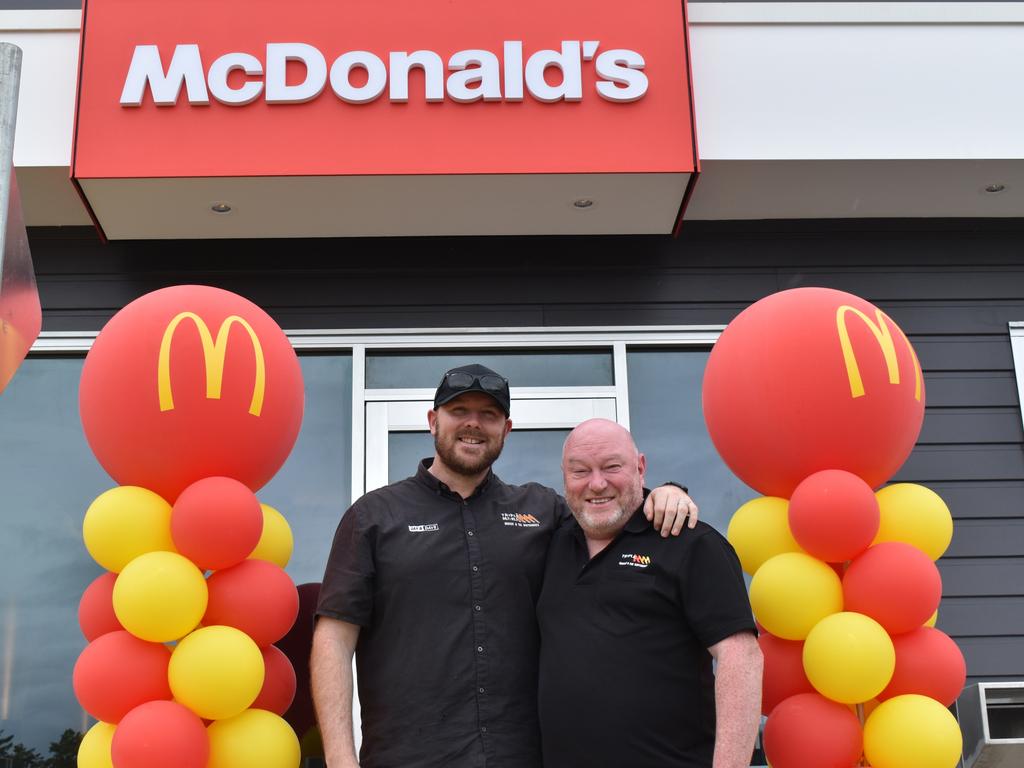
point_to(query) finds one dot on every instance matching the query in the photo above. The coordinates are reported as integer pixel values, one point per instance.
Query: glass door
(397, 437)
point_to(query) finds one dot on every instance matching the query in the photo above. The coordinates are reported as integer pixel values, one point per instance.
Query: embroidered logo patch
(424, 528)
(634, 561)
(515, 520)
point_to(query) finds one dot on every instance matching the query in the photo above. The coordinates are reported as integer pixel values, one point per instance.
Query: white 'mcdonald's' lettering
(472, 75)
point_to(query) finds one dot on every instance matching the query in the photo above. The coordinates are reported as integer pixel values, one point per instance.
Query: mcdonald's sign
(883, 336)
(214, 353)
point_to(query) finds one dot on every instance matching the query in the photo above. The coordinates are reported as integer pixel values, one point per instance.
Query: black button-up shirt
(445, 592)
(625, 675)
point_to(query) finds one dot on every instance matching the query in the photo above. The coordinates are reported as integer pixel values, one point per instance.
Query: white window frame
(1017, 347)
(358, 342)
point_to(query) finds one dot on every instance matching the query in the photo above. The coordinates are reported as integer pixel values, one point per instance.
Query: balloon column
(191, 399)
(815, 397)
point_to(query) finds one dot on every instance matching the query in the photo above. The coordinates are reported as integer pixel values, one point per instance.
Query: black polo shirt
(625, 675)
(445, 591)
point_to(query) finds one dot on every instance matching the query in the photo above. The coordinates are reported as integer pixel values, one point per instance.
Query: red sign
(192, 88)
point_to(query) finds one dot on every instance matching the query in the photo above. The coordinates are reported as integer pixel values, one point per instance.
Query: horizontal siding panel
(1001, 498)
(930, 463)
(963, 389)
(953, 317)
(969, 616)
(988, 538)
(922, 284)
(972, 425)
(988, 656)
(973, 577)
(965, 353)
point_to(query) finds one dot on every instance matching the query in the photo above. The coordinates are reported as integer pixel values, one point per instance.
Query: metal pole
(10, 84)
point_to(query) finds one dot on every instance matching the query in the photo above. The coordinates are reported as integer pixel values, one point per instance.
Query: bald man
(630, 623)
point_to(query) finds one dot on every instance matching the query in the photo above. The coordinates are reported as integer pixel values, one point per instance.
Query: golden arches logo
(880, 331)
(214, 352)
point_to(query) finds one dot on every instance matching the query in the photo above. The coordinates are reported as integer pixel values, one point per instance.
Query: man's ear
(508, 426)
(432, 421)
(641, 465)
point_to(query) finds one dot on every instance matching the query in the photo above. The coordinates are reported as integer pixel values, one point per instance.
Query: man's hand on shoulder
(669, 508)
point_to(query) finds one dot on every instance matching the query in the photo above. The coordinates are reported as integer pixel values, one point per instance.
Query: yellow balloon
(914, 515)
(912, 732)
(792, 592)
(760, 530)
(849, 657)
(160, 596)
(275, 544)
(94, 751)
(126, 522)
(217, 672)
(254, 739)
(935, 617)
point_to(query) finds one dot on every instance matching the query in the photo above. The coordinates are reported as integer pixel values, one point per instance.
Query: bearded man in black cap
(432, 583)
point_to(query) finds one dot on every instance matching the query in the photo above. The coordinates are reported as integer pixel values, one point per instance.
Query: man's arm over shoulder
(737, 699)
(330, 667)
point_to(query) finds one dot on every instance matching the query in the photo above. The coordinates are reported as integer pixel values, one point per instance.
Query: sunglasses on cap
(489, 382)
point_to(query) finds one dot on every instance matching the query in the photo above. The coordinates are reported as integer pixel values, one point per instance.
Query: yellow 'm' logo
(213, 360)
(884, 338)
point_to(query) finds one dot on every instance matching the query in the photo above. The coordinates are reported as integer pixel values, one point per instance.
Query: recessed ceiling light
(995, 189)
(583, 202)
(220, 208)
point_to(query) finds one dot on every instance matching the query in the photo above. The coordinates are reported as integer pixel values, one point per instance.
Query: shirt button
(469, 533)
(480, 690)
(476, 607)
(479, 649)
(483, 729)
(476, 567)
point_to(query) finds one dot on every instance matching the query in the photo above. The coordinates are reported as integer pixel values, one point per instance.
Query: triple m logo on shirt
(516, 520)
(634, 561)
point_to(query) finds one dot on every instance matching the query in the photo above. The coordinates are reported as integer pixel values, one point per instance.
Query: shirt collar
(436, 486)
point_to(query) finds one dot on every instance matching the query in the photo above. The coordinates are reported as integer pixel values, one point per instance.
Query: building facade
(875, 148)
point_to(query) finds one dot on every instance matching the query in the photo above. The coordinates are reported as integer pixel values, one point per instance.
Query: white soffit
(368, 206)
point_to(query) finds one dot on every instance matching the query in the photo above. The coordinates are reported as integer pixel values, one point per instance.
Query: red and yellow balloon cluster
(815, 397)
(181, 670)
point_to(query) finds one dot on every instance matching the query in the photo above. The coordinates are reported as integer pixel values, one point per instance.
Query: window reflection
(668, 425)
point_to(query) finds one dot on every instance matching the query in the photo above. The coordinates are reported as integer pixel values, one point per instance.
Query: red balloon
(96, 608)
(278, 690)
(117, 672)
(216, 523)
(928, 663)
(834, 515)
(812, 379)
(191, 382)
(895, 584)
(809, 730)
(254, 596)
(784, 674)
(160, 734)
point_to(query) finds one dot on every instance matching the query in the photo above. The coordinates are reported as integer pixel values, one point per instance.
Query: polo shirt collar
(436, 486)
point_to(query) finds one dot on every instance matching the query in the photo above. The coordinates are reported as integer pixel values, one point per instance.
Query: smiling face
(469, 433)
(604, 477)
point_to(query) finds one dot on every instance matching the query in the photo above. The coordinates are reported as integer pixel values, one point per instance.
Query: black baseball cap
(473, 378)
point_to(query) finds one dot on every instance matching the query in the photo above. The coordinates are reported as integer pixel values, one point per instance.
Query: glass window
(48, 477)
(668, 425)
(522, 368)
(314, 487)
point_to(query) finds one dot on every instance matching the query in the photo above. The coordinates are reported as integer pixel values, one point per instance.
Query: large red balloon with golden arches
(812, 379)
(189, 382)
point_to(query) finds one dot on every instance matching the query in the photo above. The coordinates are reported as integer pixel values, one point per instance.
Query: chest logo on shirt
(516, 520)
(634, 561)
(424, 528)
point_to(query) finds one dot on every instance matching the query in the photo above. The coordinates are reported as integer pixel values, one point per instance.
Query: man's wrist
(677, 485)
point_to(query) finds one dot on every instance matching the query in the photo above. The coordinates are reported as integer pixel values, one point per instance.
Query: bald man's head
(604, 476)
